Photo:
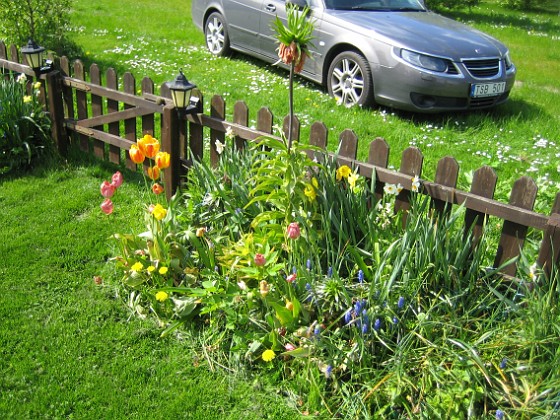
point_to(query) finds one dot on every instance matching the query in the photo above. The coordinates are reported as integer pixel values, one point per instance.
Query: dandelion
(163, 270)
(268, 355)
(219, 147)
(137, 266)
(161, 296)
(343, 172)
(151, 269)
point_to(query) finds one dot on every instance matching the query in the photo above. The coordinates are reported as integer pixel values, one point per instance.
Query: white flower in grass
(22, 78)
(219, 146)
(229, 133)
(390, 189)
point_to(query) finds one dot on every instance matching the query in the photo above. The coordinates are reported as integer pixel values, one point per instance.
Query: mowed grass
(73, 349)
(519, 138)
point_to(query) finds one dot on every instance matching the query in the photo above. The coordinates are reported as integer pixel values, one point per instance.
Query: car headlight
(424, 61)
(507, 59)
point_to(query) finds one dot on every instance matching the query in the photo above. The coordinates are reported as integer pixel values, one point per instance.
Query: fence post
(241, 117)
(171, 144)
(56, 111)
(378, 156)
(411, 164)
(483, 185)
(218, 111)
(550, 246)
(447, 173)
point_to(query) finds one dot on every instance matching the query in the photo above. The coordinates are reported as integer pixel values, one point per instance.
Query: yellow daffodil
(159, 212)
(343, 172)
(310, 192)
(352, 180)
(27, 99)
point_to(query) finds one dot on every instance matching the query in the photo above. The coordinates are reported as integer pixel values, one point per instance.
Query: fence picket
(523, 195)
(296, 127)
(241, 117)
(81, 103)
(196, 135)
(411, 164)
(447, 173)
(218, 111)
(112, 82)
(148, 124)
(378, 156)
(483, 185)
(96, 110)
(318, 137)
(129, 85)
(549, 253)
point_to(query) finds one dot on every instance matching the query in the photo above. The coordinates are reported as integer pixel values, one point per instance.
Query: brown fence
(106, 121)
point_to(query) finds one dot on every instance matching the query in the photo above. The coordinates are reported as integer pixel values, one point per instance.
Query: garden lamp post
(181, 91)
(34, 55)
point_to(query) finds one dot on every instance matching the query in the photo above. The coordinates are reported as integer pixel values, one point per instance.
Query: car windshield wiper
(406, 9)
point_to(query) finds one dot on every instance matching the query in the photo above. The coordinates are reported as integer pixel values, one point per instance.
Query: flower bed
(292, 267)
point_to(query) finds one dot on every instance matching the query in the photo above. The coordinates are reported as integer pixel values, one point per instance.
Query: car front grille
(483, 69)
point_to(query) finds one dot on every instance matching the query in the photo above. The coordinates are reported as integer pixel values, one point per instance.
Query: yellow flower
(27, 99)
(352, 180)
(263, 288)
(310, 192)
(200, 232)
(315, 183)
(159, 212)
(163, 160)
(161, 296)
(343, 172)
(137, 266)
(163, 271)
(268, 355)
(37, 85)
(151, 269)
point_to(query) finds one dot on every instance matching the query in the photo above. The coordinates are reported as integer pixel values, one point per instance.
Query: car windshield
(377, 5)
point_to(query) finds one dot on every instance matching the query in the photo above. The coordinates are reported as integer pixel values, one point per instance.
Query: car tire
(349, 80)
(217, 38)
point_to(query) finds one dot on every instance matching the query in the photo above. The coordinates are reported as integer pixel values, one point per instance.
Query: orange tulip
(153, 172)
(148, 145)
(136, 154)
(157, 189)
(163, 160)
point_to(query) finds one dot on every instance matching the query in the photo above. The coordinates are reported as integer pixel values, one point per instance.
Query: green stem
(291, 104)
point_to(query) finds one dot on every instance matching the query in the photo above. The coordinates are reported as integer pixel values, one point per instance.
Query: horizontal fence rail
(106, 121)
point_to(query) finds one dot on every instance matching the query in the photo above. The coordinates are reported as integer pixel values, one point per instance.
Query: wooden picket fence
(106, 121)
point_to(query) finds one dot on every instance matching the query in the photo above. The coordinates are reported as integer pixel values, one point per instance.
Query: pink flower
(117, 179)
(289, 347)
(107, 189)
(259, 260)
(107, 206)
(291, 278)
(293, 230)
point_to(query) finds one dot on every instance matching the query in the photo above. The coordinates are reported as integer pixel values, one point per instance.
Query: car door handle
(270, 8)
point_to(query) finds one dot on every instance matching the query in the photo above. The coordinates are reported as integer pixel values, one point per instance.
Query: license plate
(487, 89)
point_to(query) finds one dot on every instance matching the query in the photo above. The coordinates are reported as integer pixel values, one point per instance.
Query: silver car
(390, 52)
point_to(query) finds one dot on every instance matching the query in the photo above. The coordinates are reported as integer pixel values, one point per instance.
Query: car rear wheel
(217, 39)
(349, 80)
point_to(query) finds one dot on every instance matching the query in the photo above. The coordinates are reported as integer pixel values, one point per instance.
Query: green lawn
(521, 137)
(73, 349)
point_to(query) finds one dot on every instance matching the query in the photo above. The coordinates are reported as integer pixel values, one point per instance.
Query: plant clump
(285, 263)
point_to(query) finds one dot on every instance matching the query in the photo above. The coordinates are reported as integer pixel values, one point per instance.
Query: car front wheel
(349, 80)
(217, 39)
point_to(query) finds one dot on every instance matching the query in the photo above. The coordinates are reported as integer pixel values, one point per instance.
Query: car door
(243, 19)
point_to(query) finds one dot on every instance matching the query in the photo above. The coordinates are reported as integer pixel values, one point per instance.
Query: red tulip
(293, 230)
(107, 189)
(157, 189)
(107, 206)
(117, 179)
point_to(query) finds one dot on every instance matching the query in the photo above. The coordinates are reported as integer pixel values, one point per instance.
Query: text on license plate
(487, 89)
